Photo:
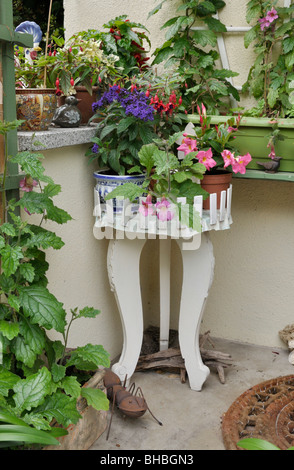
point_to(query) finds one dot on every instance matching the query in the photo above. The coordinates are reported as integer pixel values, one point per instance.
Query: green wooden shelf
(262, 175)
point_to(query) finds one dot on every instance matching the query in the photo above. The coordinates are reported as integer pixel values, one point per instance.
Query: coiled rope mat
(265, 411)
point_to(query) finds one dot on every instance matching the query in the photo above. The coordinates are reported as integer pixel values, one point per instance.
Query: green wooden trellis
(8, 37)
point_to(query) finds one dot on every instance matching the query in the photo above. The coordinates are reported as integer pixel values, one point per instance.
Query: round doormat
(265, 411)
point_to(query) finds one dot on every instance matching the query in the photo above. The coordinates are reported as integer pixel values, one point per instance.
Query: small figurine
(68, 115)
(272, 166)
(30, 27)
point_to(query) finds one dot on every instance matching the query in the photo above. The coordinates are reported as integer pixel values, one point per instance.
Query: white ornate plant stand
(128, 235)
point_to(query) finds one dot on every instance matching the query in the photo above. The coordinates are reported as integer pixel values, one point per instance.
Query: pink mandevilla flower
(205, 157)
(146, 208)
(228, 157)
(163, 210)
(188, 145)
(240, 162)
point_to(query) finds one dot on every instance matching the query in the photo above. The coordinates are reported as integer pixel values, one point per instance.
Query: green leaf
(7, 381)
(8, 229)
(13, 301)
(33, 335)
(27, 271)
(30, 392)
(30, 164)
(146, 156)
(95, 398)
(42, 307)
(205, 38)
(124, 124)
(10, 257)
(127, 190)
(52, 189)
(256, 444)
(89, 357)
(58, 372)
(43, 238)
(71, 386)
(23, 352)
(107, 130)
(16, 433)
(88, 312)
(8, 329)
(61, 407)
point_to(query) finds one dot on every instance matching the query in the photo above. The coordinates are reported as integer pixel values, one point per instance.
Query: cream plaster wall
(252, 295)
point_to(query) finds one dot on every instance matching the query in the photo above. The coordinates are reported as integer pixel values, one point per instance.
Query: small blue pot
(105, 183)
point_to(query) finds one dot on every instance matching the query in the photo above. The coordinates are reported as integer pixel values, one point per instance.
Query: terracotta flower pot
(215, 183)
(85, 105)
(36, 106)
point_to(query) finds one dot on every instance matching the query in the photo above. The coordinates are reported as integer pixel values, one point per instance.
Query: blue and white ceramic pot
(106, 182)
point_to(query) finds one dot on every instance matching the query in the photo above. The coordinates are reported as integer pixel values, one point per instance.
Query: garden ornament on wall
(68, 115)
(30, 27)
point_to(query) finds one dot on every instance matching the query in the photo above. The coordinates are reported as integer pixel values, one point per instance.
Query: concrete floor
(192, 420)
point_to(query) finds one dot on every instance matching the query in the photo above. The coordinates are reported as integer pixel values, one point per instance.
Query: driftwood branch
(171, 358)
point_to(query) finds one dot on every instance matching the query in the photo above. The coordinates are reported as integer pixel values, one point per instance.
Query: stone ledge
(56, 137)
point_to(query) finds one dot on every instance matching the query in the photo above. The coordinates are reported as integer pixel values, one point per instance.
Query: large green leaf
(9, 329)
(12, 433)
(23, 352)
(10, 257)
(31, 165)
(31, 392)
(33, 335)
(89, 357)
(43, 238)
(7, 381)
(42, 307)
(61, 407)
(128, 191)
(95, 398)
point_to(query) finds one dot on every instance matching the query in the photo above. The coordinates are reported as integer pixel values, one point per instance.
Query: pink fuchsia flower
(146, 208)
(272, 153)
(163, 210)
(239, 164)
(205, 157)
(188, 145)
(27, 184)
(271, 15)
(228, 157)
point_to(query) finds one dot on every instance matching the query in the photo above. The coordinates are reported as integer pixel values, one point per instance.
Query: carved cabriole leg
(124, 276)
(198, 268)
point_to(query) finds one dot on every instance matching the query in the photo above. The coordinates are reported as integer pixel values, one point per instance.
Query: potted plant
(129, 118)
(80, 67)
(41, 380)
(36, 99)
(213, 145)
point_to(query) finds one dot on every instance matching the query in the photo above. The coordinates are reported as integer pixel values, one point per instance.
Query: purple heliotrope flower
(133, 101)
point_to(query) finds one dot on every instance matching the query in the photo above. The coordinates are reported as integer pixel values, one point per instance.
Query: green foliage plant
(40, 380)
(271, 78)
(193, 54)
(167, 179)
